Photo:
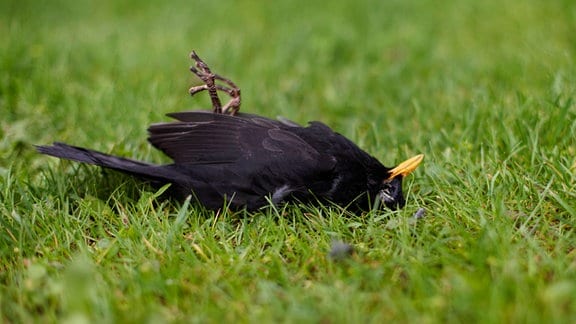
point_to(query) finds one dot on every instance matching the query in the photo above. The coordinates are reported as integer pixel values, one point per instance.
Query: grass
(485, 89)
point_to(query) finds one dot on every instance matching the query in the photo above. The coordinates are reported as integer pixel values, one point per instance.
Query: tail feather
(144, 170)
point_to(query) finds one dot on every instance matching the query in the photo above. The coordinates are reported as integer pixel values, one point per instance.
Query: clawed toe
(203, 72)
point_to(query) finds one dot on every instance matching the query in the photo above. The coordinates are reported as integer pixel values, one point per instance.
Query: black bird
(247, 161)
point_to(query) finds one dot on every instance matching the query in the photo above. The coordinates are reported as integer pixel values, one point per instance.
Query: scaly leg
(202, 70)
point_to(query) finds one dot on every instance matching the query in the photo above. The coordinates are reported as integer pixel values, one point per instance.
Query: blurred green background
(409, 69)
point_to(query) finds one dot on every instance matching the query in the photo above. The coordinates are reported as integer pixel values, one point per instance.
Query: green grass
(486, 89)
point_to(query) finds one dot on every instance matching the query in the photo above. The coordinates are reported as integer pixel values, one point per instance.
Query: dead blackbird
(247, 161)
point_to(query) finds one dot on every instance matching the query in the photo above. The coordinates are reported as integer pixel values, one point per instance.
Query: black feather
(247, 160)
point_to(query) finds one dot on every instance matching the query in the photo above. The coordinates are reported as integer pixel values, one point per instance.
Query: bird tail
(140, 169)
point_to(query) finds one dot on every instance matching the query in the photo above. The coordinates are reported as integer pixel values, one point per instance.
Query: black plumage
(247, 161)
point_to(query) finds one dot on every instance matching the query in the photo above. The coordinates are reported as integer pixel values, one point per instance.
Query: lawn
(485, 89)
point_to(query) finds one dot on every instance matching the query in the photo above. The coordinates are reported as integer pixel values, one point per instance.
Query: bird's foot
(202, 70)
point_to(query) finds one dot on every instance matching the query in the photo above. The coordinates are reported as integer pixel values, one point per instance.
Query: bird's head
(390, 192)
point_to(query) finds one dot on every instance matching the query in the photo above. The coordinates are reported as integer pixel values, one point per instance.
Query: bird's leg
(202, 70)
(233, 105)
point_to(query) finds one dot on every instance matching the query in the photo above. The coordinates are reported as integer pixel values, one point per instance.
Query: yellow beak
(406, 167)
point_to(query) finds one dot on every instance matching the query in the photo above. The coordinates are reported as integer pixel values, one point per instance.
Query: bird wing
(247, 157)
(207, 138)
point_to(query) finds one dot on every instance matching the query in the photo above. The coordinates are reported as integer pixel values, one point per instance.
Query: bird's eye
(386, 194)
